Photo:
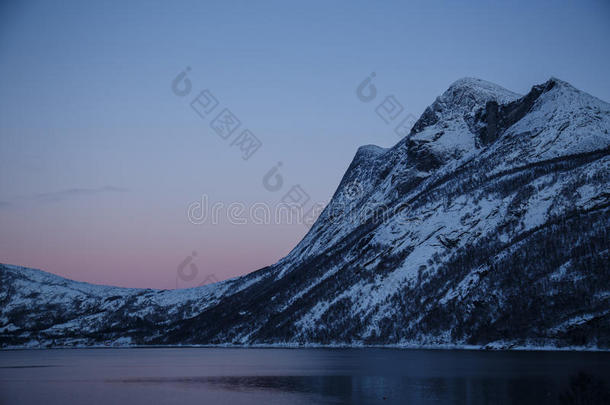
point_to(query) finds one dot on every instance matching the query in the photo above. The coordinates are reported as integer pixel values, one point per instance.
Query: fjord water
(291, 376)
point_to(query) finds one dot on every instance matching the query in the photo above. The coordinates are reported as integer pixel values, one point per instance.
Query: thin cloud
(75, 192)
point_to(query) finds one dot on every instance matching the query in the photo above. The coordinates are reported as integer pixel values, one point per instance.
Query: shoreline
(486, 348)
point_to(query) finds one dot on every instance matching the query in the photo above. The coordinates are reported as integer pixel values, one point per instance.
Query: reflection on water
(41, 366)
(372, 388)
(585, 389)
(278, 376)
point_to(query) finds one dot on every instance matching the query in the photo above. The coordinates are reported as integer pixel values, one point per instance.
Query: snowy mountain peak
(553, 117)
(369, 151)
(487, 225)
(448, 128)
(555, 81)
(569, 97)
(469, 92)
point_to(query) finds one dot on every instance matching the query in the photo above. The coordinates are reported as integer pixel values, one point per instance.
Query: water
(291, 376)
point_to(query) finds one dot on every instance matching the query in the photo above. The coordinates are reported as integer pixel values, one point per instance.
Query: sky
(103, 154)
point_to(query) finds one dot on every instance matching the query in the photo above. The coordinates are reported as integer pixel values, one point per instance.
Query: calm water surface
(290, 376)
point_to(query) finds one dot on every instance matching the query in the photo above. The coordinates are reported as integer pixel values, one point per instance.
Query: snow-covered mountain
(488, 225)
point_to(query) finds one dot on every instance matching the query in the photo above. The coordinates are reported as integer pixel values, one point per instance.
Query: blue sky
(99, 159)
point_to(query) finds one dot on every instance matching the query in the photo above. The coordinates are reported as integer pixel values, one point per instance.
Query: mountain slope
(488, 224)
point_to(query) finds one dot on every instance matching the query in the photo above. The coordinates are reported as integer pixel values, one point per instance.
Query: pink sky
(100, 156)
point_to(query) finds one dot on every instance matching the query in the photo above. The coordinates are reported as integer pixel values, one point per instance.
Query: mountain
(488, 225)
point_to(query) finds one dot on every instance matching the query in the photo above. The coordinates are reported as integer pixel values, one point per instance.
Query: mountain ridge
(486, 226)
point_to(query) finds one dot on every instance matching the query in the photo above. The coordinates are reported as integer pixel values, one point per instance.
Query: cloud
(75, 192)
(5, 204)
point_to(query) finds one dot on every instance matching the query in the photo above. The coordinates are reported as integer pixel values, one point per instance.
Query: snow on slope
(487, 225)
